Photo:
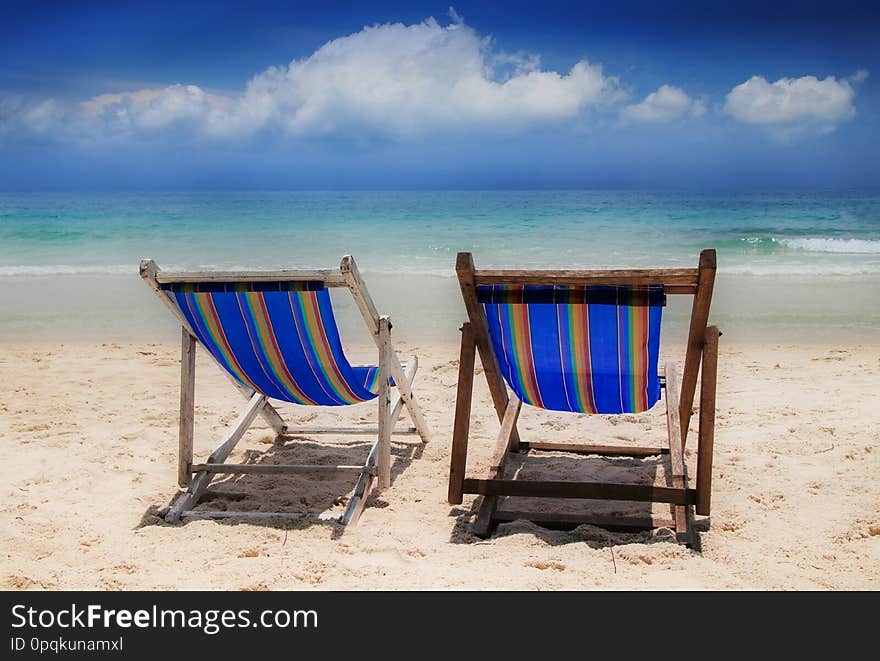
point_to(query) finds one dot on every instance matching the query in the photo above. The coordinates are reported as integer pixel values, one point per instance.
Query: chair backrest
(584, 340)
(274, 332)
(586, 349)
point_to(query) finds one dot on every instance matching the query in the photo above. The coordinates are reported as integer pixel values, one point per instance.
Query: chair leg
(187, 407)
(461, 427)
(384, 455)
(355, 507)
(485, 517)
(504, 446)
(404, 387)
(680, 513)
(706, 439)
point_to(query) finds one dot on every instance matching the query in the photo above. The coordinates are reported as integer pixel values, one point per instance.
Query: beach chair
(274, 334)
(585, 342)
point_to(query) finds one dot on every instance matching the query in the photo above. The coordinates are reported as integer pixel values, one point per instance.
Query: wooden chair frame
(196, 478)
(702, 348)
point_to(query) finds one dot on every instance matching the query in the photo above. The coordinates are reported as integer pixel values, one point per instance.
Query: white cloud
(664, 105)
(792, 102)
(406, 79)
(391, 79)
(153, 109)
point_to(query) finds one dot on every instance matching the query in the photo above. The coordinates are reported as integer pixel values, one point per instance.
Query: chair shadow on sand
(316, 499)
(517, 515)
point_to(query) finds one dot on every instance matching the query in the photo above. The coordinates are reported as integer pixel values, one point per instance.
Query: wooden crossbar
(345, 431)
(588, 490)
(256, 516)
(604, 450)
(276, 468)
(330, 278)
(635, 277)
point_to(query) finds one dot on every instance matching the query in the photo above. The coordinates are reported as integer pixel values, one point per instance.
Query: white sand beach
(88, 463)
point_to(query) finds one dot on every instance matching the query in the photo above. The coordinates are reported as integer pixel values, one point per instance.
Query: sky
(420, 95)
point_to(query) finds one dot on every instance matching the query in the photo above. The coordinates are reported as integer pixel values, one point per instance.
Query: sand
(88, 459)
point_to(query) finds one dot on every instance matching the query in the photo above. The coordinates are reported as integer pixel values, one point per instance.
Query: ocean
(798, 266)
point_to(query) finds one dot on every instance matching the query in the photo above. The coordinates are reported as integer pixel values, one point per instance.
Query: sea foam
(829, 245)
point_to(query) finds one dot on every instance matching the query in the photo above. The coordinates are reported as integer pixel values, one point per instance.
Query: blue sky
(279, 95)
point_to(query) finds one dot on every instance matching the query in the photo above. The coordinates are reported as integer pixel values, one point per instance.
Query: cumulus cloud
(391, 79)
(406, 79)
(153, 109)
(664, 105)
(791, 102)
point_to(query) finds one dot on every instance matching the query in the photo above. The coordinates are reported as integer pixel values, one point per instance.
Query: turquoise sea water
(799, 265)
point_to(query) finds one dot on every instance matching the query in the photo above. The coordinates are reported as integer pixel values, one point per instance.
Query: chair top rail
(676, 281)
(330, 277)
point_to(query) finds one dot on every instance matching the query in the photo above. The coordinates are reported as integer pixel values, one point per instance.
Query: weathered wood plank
(275, 468)
(505, 436)
(257, 516)
(670, 277)
(673, 422)
(462, 420)
(383, 462)
(368, 311)
(485, 520)
(587, 490)
(681, 289)
(330, 277)
(405, 391)
(604, 450)
(345, 431)
(150, 272)
(504, 445)
(412, 366)
(355, 507)
(187, 407)
(238, 429)
(358, 288)
(696, 337)
(268, 412)
(706, 439)
(678, 472)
